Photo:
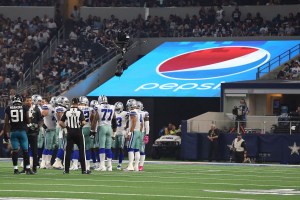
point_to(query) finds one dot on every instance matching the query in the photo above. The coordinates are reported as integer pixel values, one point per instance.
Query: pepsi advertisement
(194, 69)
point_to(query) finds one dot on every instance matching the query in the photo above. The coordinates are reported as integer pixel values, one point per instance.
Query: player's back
(106, 113)
(121, 119)
(135, 113)
(87, 112)
(17, 115)
(50, 118)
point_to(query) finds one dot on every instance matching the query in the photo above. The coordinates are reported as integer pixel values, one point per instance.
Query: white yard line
(126, 194)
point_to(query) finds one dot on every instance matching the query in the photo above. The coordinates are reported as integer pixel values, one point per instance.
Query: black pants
(75, 136)
(32, 140)
(213, 151)
(239, 156)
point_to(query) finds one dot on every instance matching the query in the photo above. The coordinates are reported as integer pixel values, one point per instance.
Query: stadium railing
(265, 69)
(26, 82)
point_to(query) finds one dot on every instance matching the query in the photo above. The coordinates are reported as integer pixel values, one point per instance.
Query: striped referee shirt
(73, 117)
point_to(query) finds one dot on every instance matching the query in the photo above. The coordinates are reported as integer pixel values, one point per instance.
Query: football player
(106, 119)
(95, 146)
(87, 112)
(63, 104)
(17, 117)
(119, 135)
(134, 136)
(145, 133)
(48, 111)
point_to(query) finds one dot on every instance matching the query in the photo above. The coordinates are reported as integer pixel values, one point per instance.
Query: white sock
(130, 159)
(88, 165)
(75, 163)
(48, 159)
(31, 161)
(109, 162)
(44, 158)
(137, 159)
(142, 160)
(102, 160)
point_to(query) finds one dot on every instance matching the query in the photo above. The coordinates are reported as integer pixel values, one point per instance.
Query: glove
(44, 126)
(128, 136)
(146, 139)
(5, 139)
(92, 134)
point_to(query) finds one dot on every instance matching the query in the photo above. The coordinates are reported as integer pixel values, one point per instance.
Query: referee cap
(75, 100)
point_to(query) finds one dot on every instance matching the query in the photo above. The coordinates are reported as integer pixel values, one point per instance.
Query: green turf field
(158, 181)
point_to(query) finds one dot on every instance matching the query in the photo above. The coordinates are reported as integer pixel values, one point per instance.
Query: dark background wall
(164, 110)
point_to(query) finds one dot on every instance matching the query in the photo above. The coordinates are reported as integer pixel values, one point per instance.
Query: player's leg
(23, 139)
(131, 154)
(108, 151)
(15, 150)
(102, 139)
(142, 153)
(137, 147)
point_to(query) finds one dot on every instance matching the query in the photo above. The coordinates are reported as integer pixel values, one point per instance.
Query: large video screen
(193, 69)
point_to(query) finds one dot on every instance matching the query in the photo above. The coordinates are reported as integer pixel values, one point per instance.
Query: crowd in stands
(21, 41)
(90, 38)
(181, 3)
(27, 2)
(290, 70)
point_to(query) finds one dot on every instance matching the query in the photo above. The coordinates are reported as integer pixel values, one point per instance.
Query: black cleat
(16, 171)
(65, 172)
(29, 172)
(23, 171)
(86, 172)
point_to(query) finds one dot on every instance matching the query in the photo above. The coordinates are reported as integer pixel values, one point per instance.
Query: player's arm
(133, 120)
(94, 121)
(146, 123)
(114, 123)
(82, 119)
(62, 120)
(6, 125)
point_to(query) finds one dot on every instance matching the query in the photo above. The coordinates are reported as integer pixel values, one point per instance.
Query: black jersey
(73, 116)
(17, 117)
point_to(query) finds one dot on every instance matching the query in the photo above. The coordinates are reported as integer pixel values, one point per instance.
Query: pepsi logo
(213, 63)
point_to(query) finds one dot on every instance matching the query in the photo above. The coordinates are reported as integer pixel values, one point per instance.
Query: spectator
(239, 149)
(213, 136)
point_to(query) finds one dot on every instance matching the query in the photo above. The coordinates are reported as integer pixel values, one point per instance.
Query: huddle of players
(130, 127)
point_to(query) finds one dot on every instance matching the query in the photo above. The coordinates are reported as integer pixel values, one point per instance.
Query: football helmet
(84, 100)
(17, 99)
(63, 101)
(139, 105)
(36, 99)
(93, 103)
(119, 107)
(53, 101)
(131, 103)
(102, 99)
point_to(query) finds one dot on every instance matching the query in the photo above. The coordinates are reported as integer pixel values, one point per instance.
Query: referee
(73, 120)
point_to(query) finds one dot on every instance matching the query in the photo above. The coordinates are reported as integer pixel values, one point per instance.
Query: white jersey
(143, 114)
(122, 119)
(135, 113)
(59, 109)
(106, 113)
(87, 112)
(50, 119)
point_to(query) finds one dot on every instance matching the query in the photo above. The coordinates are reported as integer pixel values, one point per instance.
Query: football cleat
(141, 168)
(128, 169)
(109, 168)
(119, 167)
(29, 172)
(57, 165)
(65, 172)
(86, 172)
(101, 169)
(16, 171)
